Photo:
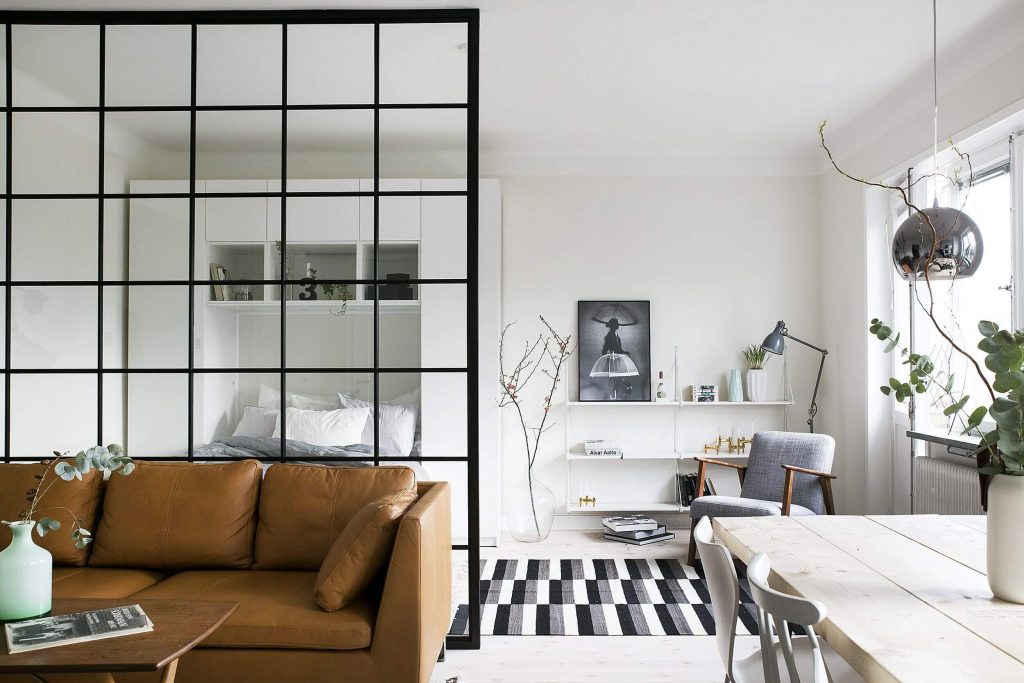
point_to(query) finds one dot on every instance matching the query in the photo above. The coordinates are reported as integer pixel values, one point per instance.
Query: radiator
(945, 488)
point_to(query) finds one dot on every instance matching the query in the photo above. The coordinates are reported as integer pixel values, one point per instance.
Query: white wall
(720, 259)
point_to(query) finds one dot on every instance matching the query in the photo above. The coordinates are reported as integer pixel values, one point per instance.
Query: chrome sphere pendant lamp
(959, 246)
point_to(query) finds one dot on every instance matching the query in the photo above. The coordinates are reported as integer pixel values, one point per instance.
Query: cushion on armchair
(769, 451)
(731, 506)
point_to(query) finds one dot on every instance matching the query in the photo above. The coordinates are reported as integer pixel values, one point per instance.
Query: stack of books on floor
(635, 530)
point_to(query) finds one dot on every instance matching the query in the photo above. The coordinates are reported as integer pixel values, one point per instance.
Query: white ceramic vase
(1005, 552)
(25, 576)
(757, 385)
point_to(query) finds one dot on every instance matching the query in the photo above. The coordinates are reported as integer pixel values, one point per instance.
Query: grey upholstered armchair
(786, 474)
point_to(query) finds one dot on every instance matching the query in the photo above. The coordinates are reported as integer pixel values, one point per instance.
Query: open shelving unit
(653, 461)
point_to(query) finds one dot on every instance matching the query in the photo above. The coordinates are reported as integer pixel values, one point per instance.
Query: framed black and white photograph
(615, 350)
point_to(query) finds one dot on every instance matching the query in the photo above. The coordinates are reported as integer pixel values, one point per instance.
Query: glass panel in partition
(53, 327)
(146, 327)
(238, 65)
(157, 415)
(423, 63)
(55, 66)
(149, 145)
(55, 153)
(235, 404)
(54, 239)
(233, 332)
(237, 145)
(148, 66)
(330, 64)
(52, 412)
(330, 143)
(423, 143)
(431, 334)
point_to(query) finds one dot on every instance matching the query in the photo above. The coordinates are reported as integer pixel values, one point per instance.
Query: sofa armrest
(415, 607)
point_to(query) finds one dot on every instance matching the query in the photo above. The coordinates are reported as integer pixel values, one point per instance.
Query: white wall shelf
(317, 305)
(652, 466)
(640, 506)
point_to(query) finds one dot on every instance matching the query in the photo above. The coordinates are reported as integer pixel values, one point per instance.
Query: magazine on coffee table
(79, 627)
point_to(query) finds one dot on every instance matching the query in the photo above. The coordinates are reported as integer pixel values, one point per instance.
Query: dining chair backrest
(769, 451)
(781, 610)
(724, 588)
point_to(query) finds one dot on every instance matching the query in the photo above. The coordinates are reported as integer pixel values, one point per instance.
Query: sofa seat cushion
(303, 508)
(96, 582)
(179, 515)
(276, 609)
(730, 506)
(62, 501)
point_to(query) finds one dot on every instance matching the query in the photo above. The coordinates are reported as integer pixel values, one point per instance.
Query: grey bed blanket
(245, 447)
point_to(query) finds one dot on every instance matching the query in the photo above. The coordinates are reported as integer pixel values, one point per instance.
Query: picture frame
(614, 355)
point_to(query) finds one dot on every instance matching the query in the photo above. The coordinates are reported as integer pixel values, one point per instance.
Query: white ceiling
(684, 86)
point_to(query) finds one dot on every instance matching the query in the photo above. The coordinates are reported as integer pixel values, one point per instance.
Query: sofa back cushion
(179, 515)
(81, 498)
(361, 550)
(303, 508)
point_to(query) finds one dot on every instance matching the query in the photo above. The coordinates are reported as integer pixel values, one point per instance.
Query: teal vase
(26, 574)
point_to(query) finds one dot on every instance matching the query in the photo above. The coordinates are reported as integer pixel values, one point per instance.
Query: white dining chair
(724, 589)
(808, 659)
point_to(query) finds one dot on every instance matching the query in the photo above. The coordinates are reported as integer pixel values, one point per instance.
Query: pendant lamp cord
(935, 96)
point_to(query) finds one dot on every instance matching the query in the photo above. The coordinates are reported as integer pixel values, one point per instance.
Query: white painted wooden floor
(589, 659)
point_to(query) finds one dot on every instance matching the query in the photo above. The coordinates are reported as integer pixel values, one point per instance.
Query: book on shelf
(604, 448)
(630, 523)
(80, 627)
(667, 536)
(218, 274)
(687, 484)
(636, 535)
(704, 393)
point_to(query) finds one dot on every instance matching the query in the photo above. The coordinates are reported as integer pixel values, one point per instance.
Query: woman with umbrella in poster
(615, 363)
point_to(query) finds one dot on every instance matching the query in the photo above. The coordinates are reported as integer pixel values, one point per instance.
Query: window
(959, 304)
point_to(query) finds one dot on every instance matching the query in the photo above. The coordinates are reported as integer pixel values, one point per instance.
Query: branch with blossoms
(548, 349)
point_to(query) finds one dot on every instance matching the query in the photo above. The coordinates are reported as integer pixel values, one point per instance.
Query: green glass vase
(26, 573)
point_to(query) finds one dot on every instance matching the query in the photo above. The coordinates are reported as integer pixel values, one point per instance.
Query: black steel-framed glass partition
(86, 282)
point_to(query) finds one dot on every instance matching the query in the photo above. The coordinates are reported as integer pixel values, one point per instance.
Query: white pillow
(342, 427)
(271, 398)
(257, 421)
(397, 424)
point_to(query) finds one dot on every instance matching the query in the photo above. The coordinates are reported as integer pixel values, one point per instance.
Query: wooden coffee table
(178, 626)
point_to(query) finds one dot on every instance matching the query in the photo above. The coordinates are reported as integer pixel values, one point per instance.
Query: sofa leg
(440, 657)
(692, 554)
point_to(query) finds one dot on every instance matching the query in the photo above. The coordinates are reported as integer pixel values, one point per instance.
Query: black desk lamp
(776, 343)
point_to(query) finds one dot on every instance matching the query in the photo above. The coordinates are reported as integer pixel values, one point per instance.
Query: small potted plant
(757, 377)
(26, 569)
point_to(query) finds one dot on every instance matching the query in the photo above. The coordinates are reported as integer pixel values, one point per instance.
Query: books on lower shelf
(687, 484)
(80, 627)
(602, 448)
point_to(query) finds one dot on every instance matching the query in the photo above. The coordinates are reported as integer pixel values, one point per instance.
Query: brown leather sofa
(226, 532)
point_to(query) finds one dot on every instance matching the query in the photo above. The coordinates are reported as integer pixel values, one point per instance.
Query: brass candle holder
(587, 500)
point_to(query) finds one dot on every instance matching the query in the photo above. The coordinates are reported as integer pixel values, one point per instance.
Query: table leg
(169, 672)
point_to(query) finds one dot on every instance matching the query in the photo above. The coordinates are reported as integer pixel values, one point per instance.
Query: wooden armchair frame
(824, 480)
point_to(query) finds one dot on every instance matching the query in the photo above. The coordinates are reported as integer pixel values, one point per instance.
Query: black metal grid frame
(282, 18)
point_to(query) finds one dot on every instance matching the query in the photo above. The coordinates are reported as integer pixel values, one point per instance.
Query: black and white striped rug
(631, 597)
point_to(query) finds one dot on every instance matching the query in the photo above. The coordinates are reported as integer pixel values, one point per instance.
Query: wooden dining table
(907, 595)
